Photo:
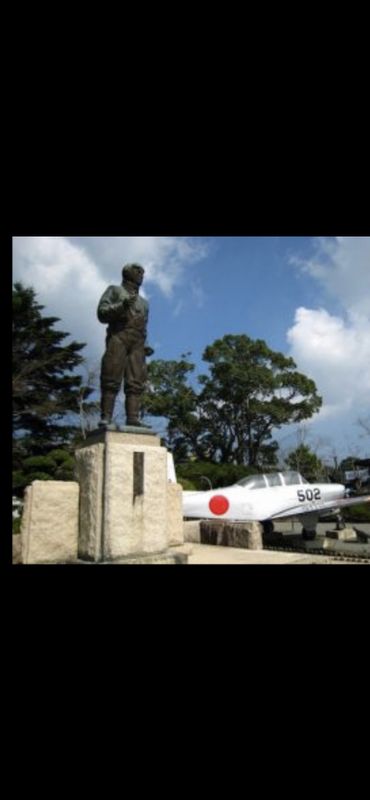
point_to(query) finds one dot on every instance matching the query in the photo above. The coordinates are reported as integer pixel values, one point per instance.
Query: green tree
(169, 395)
(249, 391)
(58, 465)
(303, 460)
(349, 463)
(209, 475)
(45, 387)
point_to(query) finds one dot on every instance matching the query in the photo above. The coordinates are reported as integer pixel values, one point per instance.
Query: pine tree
(45, 388)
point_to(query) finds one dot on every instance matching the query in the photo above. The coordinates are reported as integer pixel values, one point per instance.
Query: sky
(307, 297)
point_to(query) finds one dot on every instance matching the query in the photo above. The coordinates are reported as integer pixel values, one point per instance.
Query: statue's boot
(133, 410)
(107, 408)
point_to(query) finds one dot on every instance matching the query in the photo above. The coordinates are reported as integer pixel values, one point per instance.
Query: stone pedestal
(125, 506)
(49, 531)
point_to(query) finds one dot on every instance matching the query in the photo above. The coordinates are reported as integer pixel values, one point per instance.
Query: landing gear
(340, 523)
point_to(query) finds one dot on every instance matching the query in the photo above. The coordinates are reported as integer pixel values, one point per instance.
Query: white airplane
(263, 498)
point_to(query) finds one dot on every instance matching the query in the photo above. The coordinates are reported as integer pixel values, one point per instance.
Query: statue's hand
(129, 303)
(149, 351)
(115, 311)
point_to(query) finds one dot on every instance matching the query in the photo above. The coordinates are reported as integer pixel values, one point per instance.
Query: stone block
(134, 524)
(192, 531)
(49, 526)
(90, 474)
(175, 523)
(125, 504)
(232, 534)
(343, 535)
(17, 549)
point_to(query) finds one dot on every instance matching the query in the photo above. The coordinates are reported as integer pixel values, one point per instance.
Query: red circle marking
(219, 504)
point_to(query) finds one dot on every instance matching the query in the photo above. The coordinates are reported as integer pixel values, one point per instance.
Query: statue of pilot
(126, 313)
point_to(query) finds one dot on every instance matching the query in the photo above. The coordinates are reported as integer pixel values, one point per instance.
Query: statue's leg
(134, 383)
(132, 404)
(112, 369)
(107, 404)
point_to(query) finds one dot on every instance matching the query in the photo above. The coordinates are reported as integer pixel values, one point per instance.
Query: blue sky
(308, 297)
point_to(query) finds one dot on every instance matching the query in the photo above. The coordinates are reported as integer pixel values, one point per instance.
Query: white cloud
(70, 274)
(165, 258)
(342, 266)
(334, 349)
(335, 354)
(67, 282)
(50, 261)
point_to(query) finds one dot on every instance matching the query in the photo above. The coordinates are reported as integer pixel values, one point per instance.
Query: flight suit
(124, 359)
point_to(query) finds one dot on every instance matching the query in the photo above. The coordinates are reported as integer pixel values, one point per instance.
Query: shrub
(17, 525)
(217, 474)
(187, 485)
(360, 513)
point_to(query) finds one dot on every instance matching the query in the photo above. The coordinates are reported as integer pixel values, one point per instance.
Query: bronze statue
(126, 313)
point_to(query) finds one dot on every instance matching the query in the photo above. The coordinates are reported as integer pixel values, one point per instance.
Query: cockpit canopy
(289, 478)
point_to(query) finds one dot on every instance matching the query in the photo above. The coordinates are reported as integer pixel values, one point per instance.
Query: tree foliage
(303, 460)
(209, 475)
(44, 386)
(169, 395)
(249, 391)
(58, 465)
(45, 390)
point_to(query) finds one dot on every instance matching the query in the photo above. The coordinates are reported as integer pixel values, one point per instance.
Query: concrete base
(334, 546)
(127, 508)
(342, 535)
(350, 548)
(204, 554)
(121, 508)
(154, 558)
(232, 534)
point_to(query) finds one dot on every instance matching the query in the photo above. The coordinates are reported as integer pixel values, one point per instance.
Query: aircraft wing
(316, 506)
